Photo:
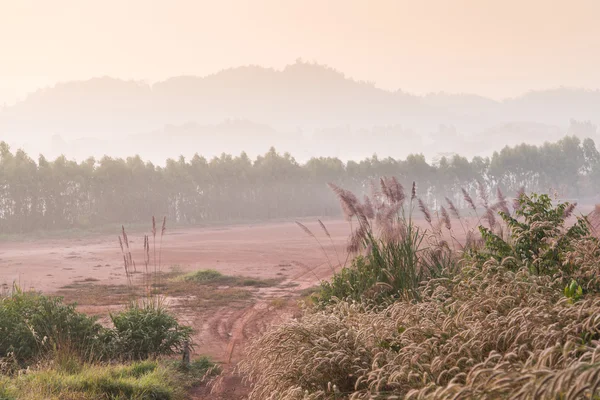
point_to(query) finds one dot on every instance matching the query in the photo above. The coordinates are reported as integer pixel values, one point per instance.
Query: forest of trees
(63, 194)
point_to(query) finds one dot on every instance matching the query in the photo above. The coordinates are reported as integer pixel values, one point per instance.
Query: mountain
(303, 98)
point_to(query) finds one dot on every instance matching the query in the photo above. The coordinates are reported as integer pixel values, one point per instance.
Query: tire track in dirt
(229, 330)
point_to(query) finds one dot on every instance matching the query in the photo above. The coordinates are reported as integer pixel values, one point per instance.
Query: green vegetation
(34, 326)
(509, 313)
(46, 195)
(537, 235)
(211, 276)
(145, 380)
(144, 331)
(204, 276)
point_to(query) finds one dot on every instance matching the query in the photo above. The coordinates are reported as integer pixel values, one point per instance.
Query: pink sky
(496, 48)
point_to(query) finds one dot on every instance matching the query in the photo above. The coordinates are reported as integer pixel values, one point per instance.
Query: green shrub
(144, 331)
(32, 325)
(538, 237)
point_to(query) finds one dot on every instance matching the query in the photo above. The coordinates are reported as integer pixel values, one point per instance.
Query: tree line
(63, 194)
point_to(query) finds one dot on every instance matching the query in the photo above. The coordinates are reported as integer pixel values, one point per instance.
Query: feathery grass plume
(305, 229)
(500, 196)
(483, 194)
(453, 208)
(413, 191)
(396, 190)
(501, 203)
(125, 239)
(147, 264)
(154, 244)
(324, 228)
(311, 234)
(469, 199)
(356, 239)
(394, 232)
(446, 218)
(388, 215)
(516, 201)
(385, 190)
(569, 210)
(425, 210)
(367, 208)
(162, 234)
(490, 217)
(347, 200)
(376, 196)
(127, 258)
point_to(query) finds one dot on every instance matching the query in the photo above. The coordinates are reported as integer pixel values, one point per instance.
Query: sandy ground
(261, 251)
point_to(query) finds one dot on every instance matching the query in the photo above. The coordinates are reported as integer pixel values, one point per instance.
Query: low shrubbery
(518, 319)
(34, 327)
(146, 330)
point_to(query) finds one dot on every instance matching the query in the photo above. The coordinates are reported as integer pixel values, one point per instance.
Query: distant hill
(303, 99)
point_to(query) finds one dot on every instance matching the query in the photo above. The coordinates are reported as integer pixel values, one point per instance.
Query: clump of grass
(205, 276)
(392, 254)
(139, 380)
(213, 277)
(144, 331)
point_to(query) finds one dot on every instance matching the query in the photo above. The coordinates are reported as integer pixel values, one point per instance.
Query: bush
(146, 330)
(538, 237)
(32, 325)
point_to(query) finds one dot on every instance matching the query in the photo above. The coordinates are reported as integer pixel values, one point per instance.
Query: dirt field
(90, 272)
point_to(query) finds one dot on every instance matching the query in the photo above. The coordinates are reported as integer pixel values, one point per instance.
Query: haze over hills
(305, 108)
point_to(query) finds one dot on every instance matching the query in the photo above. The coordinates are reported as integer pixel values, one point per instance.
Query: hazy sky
(496, 48)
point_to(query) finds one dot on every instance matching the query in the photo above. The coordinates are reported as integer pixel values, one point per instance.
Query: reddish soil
(260, 251)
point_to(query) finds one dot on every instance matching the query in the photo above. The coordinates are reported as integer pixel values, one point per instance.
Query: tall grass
(146, 328)
(496, 328)
(392, 255)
